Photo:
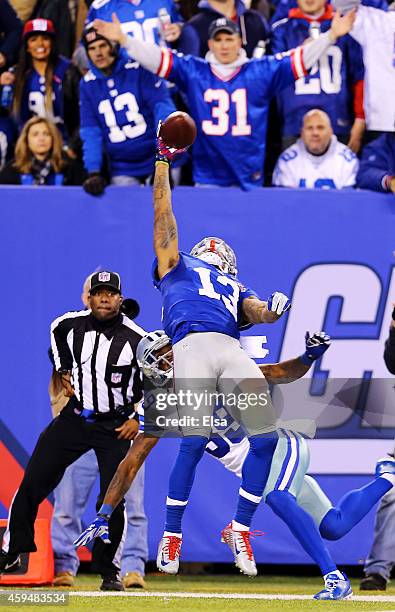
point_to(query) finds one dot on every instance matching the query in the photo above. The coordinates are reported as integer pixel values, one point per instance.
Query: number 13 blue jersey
(199, 298)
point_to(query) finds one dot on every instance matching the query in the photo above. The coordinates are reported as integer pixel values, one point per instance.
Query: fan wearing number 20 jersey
(230, 107)
(119, 113)
(335, 84)
(198, 297)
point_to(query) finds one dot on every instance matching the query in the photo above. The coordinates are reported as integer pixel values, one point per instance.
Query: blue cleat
(386, 465)
(335, 587)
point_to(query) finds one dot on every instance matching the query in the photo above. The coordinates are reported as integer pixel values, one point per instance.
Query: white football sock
(169, 533)
(337, 572)
(239, 527)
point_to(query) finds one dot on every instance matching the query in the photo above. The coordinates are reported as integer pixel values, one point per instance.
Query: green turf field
(238, 586)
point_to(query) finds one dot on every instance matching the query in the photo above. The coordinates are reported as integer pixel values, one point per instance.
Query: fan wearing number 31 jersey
(121, 104)
(228, 95)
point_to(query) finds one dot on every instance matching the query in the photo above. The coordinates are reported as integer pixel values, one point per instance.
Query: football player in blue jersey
(228, 95)
(204, 306)
(150, 20)
(230, 446)
(120, 105)
(335, 85)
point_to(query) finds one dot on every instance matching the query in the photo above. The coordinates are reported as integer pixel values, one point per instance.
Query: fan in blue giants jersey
(228, 95)
(230, 446)
(335, 84)
(45, 83)
(121, 104)
(140, 18)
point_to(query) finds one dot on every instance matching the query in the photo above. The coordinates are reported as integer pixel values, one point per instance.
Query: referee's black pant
(65, 439)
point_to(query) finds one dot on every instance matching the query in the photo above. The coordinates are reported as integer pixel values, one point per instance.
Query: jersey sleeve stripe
(297, 63)
(166, 64)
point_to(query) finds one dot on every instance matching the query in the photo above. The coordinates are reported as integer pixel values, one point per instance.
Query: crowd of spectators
(77, 109)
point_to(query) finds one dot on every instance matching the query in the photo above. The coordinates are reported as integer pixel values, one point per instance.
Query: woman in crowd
(39, 159)
(45, 83)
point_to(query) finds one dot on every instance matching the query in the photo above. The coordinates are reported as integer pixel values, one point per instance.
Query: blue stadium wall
(332, 252)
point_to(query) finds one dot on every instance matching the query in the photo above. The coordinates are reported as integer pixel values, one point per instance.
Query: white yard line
(181, 595)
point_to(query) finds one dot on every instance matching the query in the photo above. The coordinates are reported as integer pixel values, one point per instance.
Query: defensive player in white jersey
(317, 160)
(230, 446)
(374, 29)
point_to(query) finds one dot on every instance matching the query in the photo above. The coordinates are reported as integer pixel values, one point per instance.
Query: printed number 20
(329, 80)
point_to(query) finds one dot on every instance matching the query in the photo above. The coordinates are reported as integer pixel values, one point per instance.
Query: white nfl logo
(116, 378)
(104, 277)
(40, 24)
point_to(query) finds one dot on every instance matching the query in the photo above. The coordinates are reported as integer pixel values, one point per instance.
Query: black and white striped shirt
(102, 359)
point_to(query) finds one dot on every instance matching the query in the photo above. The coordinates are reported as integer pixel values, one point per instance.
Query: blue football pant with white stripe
(303, 528)
(289, 466)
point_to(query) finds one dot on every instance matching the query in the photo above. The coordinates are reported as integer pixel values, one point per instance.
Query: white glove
(278, 303)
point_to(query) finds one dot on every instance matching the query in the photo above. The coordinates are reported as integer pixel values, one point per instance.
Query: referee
(94, 351)
(381, 558)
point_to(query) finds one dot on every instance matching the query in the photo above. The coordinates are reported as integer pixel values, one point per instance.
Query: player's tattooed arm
(165, 226)
(284, 372)
(256, 311)
(128, 468)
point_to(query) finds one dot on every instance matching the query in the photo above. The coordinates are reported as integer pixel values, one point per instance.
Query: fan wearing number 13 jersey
(228, 95)
(121, 104)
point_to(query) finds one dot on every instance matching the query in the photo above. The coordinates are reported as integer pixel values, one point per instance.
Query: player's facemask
(155, 357)
(216, 252)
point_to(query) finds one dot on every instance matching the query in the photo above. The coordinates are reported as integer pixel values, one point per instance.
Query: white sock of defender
(389, 477)
(337, 572)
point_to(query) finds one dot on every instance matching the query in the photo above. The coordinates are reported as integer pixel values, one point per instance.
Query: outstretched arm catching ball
(165, 226)
(180, 130)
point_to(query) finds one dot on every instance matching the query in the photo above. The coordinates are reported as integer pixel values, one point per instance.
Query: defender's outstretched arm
(285, 371)
(121, 482)
(293, 369)
(128, 468)
(165, 226)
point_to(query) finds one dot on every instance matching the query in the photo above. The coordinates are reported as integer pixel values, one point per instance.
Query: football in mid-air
(178, 130)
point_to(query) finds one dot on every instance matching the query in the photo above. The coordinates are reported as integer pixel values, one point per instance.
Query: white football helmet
(157, 367)
(216, 252)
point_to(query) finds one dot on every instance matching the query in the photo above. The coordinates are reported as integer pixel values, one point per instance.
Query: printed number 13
(220, 113)
(208, 290)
